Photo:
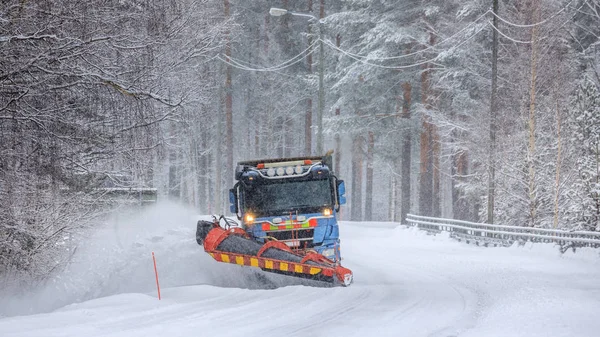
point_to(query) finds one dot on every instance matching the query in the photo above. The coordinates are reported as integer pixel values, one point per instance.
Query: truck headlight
(328, 253)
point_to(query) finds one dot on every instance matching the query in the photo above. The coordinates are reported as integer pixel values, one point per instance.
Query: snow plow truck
(288, 210)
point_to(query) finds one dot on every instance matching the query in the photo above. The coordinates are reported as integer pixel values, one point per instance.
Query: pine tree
(585, 123)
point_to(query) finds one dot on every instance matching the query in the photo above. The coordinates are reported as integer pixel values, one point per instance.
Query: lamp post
(280, 12)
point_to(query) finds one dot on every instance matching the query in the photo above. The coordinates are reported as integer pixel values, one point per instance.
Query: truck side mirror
(341, 192)
(233, 205)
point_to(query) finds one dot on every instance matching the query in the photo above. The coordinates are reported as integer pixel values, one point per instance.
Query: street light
(277, 11)
(280, 12)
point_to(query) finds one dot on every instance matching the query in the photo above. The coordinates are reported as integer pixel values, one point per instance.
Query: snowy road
(407, 283)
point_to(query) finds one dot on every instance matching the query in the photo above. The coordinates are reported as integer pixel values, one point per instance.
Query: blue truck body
(293, 200)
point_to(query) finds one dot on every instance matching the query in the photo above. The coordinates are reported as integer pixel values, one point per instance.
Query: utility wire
(251, 67)
(238, 65)
(464, 29)
(365, 59)
(508, 37)
(283, 65)
(330, 44)
(287, 64)
(533, 24)
(403, 66)
(421, 50)
(461, 31)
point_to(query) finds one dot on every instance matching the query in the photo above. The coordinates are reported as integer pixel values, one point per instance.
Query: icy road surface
(407, 283)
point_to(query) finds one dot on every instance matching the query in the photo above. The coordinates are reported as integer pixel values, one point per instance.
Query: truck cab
(292, 200)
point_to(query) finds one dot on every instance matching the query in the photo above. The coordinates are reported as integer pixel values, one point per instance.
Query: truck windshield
(283, 197)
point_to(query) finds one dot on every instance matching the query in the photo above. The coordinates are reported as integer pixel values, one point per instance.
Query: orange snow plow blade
(235, 246)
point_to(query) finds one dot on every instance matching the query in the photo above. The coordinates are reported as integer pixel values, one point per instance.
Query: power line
(533, 24)
(238, 65)
(421, 50)
(461, 31)
(330, 44)
(280, 66)
(365, 59)
(508, 37)
(251, 67)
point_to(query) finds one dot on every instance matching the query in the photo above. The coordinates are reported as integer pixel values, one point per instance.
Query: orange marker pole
(156, 273)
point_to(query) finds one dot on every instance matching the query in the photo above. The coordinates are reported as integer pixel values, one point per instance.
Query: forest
(481, 110)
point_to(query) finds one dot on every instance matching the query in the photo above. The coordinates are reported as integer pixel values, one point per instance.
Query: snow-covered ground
(407, 283)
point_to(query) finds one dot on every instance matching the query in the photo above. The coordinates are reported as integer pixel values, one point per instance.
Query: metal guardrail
(487, 234)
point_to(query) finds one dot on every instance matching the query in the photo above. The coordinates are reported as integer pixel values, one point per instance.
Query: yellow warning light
(249, 218)
(327, 212)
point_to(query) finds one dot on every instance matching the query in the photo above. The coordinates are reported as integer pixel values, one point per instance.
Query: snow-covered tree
(584, 212)
(84, 92)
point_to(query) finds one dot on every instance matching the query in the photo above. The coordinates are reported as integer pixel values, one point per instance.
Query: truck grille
(304, 236)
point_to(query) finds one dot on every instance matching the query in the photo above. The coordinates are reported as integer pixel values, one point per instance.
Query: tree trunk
(287, 127)
(309, 103)
(173, 167)
(279, 141)
(369, 185)
(202, 174)
(321, 110)
(209, 187)
(493, 112)
(392, 198)
(406, 153)
(338, 142)
(531, 122)
(426, 169)
(338, 148)
(436, 152)
(558, 163)
(460, 169)
(597, 225)
(218, 186)
(228, 104)
(357, 174)
(183, 186)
